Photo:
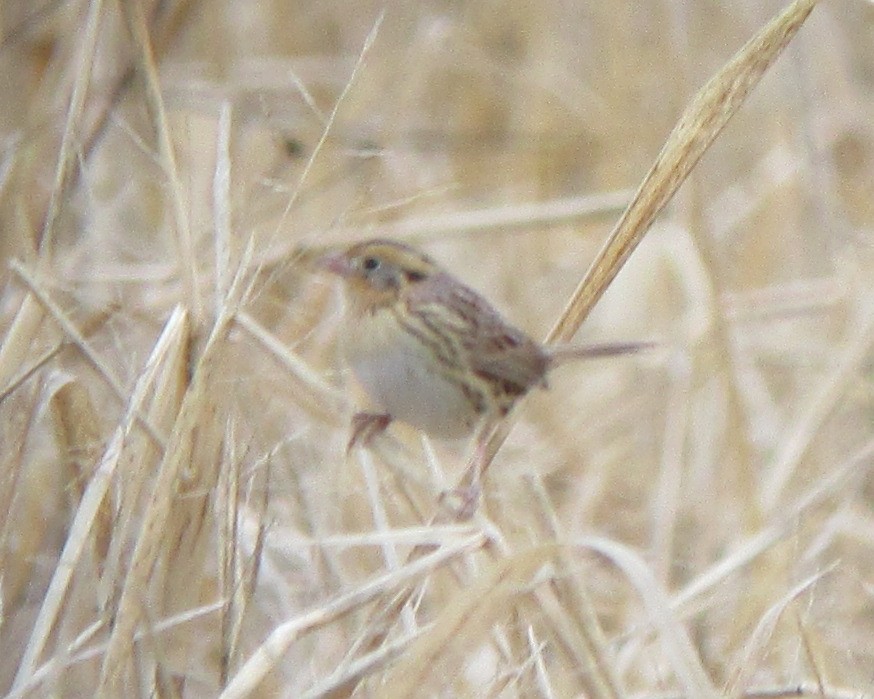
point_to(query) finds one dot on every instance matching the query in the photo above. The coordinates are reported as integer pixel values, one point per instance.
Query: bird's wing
(487, 344)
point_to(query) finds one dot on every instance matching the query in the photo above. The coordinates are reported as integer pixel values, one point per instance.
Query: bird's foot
(365, 426)
(461, 502)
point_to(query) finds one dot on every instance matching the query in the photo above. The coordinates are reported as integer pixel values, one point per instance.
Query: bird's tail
(561, 354)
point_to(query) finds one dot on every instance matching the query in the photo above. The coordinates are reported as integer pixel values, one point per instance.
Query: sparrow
(430, 351)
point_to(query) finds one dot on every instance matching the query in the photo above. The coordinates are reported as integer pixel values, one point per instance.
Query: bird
(428, 350)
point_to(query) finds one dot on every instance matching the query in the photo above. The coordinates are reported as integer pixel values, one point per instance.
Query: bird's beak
(336, 263)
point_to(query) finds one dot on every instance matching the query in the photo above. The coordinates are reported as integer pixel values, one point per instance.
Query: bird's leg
(365, 426)
(464, 500)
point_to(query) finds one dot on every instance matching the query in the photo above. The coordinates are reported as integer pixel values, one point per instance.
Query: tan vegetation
(180, 516)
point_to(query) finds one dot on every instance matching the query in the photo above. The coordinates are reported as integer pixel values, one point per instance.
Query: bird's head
(378, 272)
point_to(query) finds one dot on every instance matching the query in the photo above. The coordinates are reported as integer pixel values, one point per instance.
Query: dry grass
(181, 519)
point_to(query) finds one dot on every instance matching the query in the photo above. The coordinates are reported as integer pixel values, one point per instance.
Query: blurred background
(504, 138)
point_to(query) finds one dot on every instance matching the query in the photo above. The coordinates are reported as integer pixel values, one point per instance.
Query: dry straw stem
(324, 400)
(83, 128)
(507, 218)
(77, 433)
(465, 621)
(566, 608)
(235, 589)
(158, 526)
(17, 342)
(263, 660)
(77, 337)
(145, 62)
(365, 49)
(165, 357)
(700, 124)
(570, 611)
(692, 598)
(825, 400)
(349, 675)
(757, 645)
(555, 212)
(795, 692)
(78, 653)
(854, 469)
(93, 324)
(575, 626)
(77, 141)
(221, 204)
(169, 517)
(679, 649)
(29, 315)
(68, 152)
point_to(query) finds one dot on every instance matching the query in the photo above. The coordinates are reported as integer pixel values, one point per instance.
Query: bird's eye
(370, 263)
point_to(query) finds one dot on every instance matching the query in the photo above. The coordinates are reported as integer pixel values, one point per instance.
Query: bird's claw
(462, 502)
(365, 426)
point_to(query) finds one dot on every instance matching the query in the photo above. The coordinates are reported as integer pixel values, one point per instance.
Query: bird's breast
(407, 379)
